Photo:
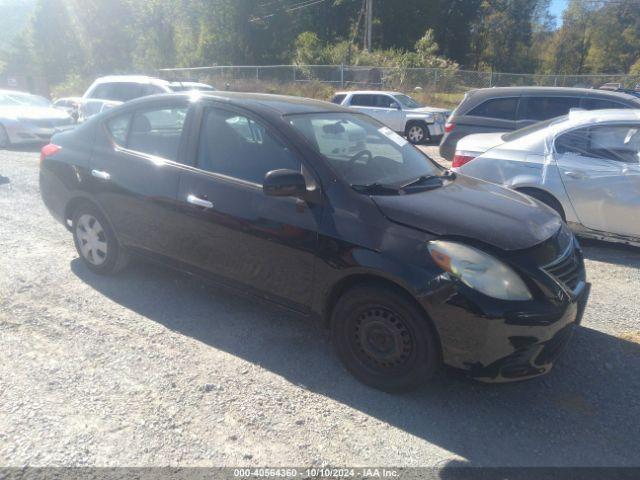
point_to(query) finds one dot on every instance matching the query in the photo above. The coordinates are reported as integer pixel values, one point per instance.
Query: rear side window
(501, 108)
(599, 104)
(157, 132)
(101, 91)
(119, 127)
(152, 90)
(575, 142)
(338, 99)
(123, 91)
(364, 100)
(543, 108)
(118, 91)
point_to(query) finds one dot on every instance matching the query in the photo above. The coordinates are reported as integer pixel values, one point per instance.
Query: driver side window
(620, 143)
(385, 101)
(237, 146)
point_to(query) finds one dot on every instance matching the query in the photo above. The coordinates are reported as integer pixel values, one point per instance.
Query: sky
(556, 9)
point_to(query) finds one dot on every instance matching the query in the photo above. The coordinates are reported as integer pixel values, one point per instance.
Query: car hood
(420, 112)
(429, 110)
(475, 209)
(37, 113)
(480, 142)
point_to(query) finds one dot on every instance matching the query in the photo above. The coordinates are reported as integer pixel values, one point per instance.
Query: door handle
(200, 202)
(100, 174)
(576, 175)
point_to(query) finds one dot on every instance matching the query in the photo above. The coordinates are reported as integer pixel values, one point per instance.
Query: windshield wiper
(374, 188)
(417, 181)
(426, 178)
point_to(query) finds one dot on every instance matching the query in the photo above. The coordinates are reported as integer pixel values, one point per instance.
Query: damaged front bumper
(496, 340)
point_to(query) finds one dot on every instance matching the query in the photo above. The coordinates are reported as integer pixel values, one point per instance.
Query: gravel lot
(151, 368)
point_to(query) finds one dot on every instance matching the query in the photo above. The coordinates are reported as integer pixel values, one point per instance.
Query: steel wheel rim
(416, 133)
(92, 239)
(382, 340)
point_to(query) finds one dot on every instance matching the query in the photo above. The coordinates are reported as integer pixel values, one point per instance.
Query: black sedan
(329, 213)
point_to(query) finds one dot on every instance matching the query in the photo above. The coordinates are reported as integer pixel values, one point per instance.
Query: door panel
(138, 191)
(604, 192)
(266, 244)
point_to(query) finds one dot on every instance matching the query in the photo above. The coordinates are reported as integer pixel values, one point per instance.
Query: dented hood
(475, 209)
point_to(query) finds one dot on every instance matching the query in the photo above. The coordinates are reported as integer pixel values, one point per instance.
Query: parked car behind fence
(399, 112)
(107, 92)
(510, 108)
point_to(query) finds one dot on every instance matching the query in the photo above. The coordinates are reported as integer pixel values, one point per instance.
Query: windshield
(363, 151)
(507, 137)
(406, 101)
(22, 99)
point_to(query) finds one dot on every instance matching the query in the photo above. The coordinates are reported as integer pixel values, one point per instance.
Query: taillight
(460, 159)
(49, 150)
(448, 127)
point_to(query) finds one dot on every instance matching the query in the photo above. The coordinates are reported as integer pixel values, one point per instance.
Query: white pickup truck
(399, 112)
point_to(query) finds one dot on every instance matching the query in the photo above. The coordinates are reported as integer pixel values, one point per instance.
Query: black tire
(384, 339)
(5, 142)
(102, 260)
(417, 133)
(547, 199)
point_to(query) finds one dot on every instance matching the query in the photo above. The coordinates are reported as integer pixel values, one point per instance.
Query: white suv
(107, 92)
(399, 112)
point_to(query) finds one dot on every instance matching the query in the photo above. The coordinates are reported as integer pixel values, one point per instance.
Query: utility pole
(368, 24)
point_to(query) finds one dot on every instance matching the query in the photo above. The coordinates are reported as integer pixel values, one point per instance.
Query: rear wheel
(4, 137)
(383, 339)
(417, 133)
(96, 242)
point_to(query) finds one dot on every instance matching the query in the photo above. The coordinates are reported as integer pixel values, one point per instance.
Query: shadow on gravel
(586, 412)
(608, 252)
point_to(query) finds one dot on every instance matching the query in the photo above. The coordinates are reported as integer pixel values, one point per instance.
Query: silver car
(585, 165)
(26, 118)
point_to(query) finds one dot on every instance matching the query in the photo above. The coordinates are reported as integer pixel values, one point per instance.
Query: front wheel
(417, 133)
(384, 339)
(96, 242)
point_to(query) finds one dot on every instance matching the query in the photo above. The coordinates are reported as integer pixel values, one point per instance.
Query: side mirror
(396, 106)
(284, 183)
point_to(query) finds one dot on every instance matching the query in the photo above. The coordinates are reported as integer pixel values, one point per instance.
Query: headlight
(478, 270)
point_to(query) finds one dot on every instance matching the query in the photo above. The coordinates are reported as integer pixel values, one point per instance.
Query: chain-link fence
(322, 80)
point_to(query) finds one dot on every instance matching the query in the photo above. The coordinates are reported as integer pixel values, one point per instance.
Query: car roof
(130, 79)
(574, 119)
(370, 92)
(268, 103)
(507, 91)
(189, 84)
(579, 117)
